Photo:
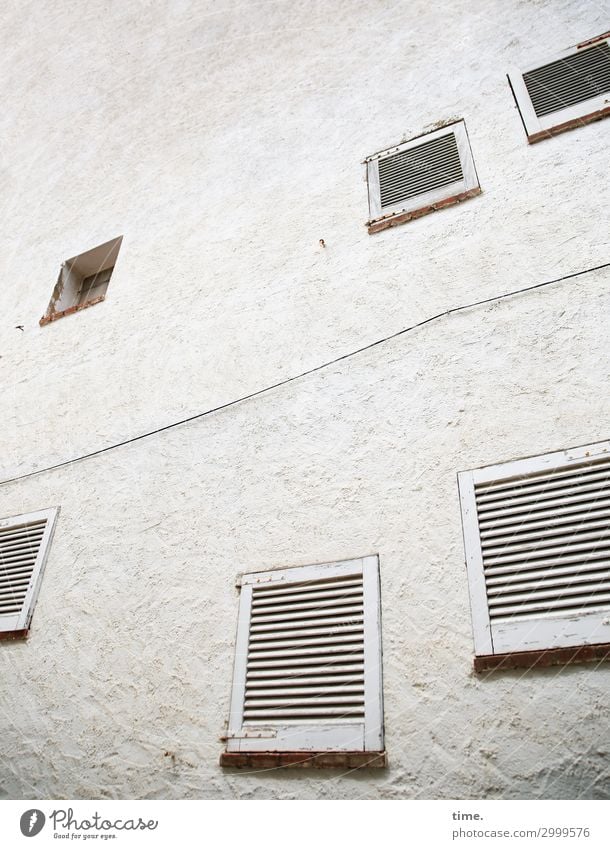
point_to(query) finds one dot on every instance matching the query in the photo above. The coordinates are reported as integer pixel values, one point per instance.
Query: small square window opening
(83, 281)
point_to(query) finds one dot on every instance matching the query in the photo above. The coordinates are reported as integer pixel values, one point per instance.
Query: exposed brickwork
(304, 760)
(403, 217)
(14, 635)
(569, 125)
(47, 319)
(539, 659)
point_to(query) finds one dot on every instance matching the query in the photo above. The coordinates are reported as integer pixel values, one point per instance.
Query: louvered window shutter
(24, 542)
(421, 172)
(537, 540)
(307, 673)
(566, 91)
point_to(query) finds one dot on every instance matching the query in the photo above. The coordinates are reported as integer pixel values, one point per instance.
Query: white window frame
(21, 621)
(469, 182)
(533, 634)
(538, 128)
(353, 737)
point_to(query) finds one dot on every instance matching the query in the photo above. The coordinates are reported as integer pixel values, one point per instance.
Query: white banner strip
(357, 824)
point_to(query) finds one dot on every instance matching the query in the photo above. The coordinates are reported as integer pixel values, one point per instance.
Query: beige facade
(222, 145)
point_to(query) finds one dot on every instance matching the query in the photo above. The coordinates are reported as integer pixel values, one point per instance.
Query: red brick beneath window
(47, 319)
(318, 760)
(14, 635)
(402, 217)
(539, 659)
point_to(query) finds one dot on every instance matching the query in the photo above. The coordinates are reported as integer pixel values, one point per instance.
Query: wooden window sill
(304, 760)
(402, 217)
(540, 659)
(14, 635)
(47, 319)
(569, 125)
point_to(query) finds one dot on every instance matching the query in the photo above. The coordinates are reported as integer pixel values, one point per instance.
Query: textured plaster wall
(223, 144)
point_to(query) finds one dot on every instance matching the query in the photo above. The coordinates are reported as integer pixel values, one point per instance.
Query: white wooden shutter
(420, 172)
(307, 673)
(537, 540)
(24, 542)
(571, 85)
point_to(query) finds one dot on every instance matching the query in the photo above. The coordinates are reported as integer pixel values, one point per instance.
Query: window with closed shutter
(24, 543)
(307, 673)
(537, 540)
(566, 91)
(420, 176)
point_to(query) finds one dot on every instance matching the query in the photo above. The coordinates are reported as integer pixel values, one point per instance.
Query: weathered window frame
(324, 744)
(381, 218)
(17, 624)
(533, 641)
(544, 127)
(69, 295)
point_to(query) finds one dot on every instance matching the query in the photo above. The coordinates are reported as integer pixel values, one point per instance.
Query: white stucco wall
(223, 144)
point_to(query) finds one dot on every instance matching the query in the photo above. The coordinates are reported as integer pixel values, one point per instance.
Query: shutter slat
(317, 700)
(543, 518)
(599, 547)
(542, 592)
(306, 661)
(19, 552)
(26, 529)
(560, 482)
(262, 649)
(549, 606)
(508, 578)
(419, 169)
(300, 615)
(541, 496)
(20, 557)
(8, 542)
(314, 604)
(304, 624)
(280, 715)
(556, 565)
(302, 651)
(291, 589)
(317, 673)
(274, 636)
(310, 598)
(568, 81)
(534, 509)
(532, 562)
(14, 586)
(550, 580)
(305, 652)
(14, 570)
(546, 530)
(598, 466)
(545, 541)
(305, 687)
